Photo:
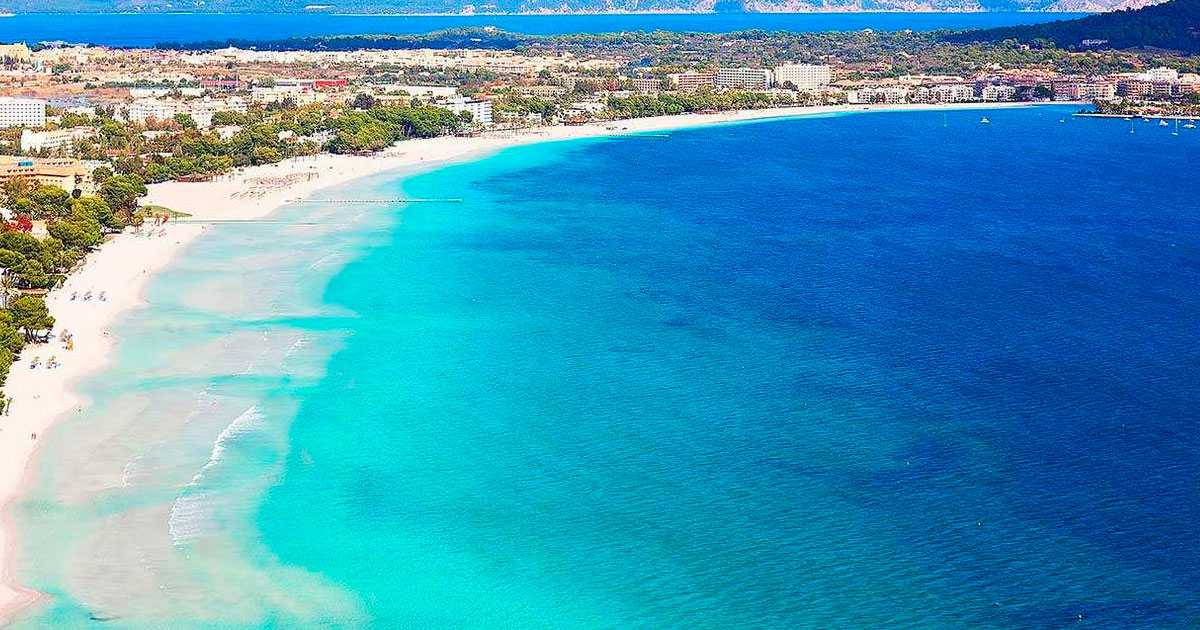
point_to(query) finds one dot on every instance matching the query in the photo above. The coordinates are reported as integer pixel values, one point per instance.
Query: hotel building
(804, 77)
(744, 78)
(22, 112)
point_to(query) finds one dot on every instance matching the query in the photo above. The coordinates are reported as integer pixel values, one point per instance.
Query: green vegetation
(168, 150)
(1173, 25)
(643, 105)
(74, 227)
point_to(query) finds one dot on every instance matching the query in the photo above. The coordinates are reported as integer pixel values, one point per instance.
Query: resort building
(744, 78)
(297, 94)
(54, 141)
(998, 93)
(67, 174)
(541, 91)
(1076, 89)
(891, 95)
(803, 77)
(424, 92)
(644, 84)
(947, 93)
(693, 81)
(200, 111)
(22, 112)
(481, 111)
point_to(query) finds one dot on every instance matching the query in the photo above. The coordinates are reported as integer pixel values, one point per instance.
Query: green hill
(1174, 25)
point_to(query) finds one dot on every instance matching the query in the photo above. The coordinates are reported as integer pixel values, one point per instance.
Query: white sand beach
(122, 267)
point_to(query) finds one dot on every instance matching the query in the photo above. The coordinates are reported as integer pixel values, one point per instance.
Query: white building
(744, 78)
(999, 93)
(421, 91)
(693, 81)
(481, 111)
(1162, 74)
(805, 77)
(22, 112)
(200, 111)
(949, 93)
(298, 94)
(886, 94)
(35, 141)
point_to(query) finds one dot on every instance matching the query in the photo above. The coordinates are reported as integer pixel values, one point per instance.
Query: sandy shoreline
(123, 266)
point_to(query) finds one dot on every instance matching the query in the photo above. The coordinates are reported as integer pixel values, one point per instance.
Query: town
(68, 112)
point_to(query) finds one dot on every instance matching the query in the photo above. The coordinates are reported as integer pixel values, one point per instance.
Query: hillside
(560, 6)
(1174, 25)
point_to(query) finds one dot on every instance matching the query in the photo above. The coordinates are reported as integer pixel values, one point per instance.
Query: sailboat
(1162, 123)
(1176, 132)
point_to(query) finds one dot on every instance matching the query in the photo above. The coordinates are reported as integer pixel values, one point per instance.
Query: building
(804, 77)
(998, 93)
(425, 92)
(1164, 75)
(298, 94)
(744, 78)
(481, 111)
(1080, 90)
(541, 91)
(200, 111)
(892, 95)
(643, 84)
(946, 93)
(693, 81)
(37, 141)
(15, 53)
(67, 174)
(22, 112)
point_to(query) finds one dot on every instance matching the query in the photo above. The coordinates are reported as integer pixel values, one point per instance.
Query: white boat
(984, 121)
(1190, 125)
(1162, 123)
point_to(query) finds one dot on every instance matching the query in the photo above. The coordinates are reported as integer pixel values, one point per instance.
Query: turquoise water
(841, 372)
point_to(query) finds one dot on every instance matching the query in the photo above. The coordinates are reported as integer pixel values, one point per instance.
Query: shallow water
(842, 372)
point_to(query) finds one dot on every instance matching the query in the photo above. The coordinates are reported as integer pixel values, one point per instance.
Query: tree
(16, 189)
(52, 202)
(98, 209)
(364, 101)
(101, 173)
(30, 314)
(121, 192)
(185, 121)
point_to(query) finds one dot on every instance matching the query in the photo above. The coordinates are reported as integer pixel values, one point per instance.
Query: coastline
(123, 266)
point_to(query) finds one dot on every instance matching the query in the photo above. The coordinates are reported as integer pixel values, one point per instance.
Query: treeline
(177, 148)
(75, 227)
(873, 53)
(643, 105)
(1173, 25)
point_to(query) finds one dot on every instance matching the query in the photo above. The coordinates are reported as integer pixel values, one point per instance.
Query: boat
(984, 121)
(1176, 132)
(1062, 120)
(1162, 123)
(1190, 125)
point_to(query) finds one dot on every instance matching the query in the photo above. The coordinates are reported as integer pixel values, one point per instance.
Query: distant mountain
(560, 6)
(1174, 25)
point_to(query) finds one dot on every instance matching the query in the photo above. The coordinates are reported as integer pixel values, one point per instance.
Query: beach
(122, 267)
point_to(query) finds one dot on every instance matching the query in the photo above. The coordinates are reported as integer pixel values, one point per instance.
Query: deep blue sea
(133, 29)
(887, 370)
